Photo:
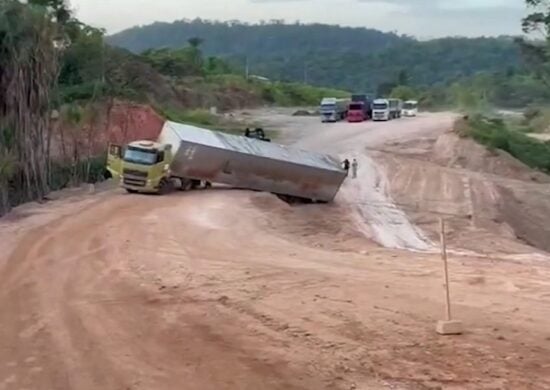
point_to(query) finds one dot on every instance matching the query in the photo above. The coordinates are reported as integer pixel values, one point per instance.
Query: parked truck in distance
(356, 112)
(184, 156)
(367, 104)
(333, 109)
(381, 110)
(410, 108)
(386, 109)
(396, 108)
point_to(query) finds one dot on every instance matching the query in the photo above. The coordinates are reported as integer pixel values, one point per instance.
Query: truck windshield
(355, 106)
(380, 106)
(140, 156)
(328, 107)
(409, 106)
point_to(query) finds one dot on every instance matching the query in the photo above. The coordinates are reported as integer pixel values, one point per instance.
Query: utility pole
(247, 68)
(305, 73)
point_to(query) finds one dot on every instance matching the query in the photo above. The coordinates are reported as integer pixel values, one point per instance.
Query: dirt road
(227, 289)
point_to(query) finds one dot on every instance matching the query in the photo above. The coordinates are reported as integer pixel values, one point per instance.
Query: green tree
(195, 42)
(403, 77)
(29, 65)
(403, 92)
(8, 166)
(176, 63)
(385, 89)
(537, 52)
(82, 75)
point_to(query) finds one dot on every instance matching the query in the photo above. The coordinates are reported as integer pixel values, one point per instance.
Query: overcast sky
(421, 18)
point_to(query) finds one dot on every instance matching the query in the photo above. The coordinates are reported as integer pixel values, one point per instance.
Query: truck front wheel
(165, 186)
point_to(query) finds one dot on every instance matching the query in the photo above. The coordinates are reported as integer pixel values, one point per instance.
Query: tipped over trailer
(185, 154)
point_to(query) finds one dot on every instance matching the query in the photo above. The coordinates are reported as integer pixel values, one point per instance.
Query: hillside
(350, 58)
(271, 40)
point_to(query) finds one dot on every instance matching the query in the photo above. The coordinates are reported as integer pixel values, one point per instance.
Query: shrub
(495, 134)
(200, 117)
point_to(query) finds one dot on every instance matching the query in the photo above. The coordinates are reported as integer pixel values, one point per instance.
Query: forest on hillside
(343, 57)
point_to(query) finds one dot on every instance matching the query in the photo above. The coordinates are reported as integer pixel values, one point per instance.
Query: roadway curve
(227, 289)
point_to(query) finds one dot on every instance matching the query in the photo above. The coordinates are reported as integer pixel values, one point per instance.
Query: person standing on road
(345, 164)
(354, 166)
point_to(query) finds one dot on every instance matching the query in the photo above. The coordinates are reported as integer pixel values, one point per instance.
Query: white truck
(333, 109)
(386, 109)
(410, 108)
(381, 110)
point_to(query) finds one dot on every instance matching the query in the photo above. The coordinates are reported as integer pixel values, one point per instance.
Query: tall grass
(497, 134)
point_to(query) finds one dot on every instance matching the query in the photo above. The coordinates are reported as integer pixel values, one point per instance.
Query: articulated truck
(366, 104)
(184, 156)
(386, 109)
(333, 110)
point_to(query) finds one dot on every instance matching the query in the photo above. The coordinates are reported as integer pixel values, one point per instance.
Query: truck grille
(134, 181)
(132, 172)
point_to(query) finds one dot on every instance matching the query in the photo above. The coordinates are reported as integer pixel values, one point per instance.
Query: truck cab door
(114, 161)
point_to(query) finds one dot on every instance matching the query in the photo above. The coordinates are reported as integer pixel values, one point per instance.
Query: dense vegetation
(272, 39)
(485, 90)
(350, 58)
(497, 134)
(28, 68)
(509, 135)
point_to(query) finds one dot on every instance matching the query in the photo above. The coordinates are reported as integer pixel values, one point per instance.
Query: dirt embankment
(110, 122)
(230, 289)
(492, 201)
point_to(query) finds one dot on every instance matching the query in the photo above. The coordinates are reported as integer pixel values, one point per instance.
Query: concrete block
(449, 327)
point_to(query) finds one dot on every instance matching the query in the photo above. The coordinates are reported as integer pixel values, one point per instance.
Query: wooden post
(443, 240)
(449, 326)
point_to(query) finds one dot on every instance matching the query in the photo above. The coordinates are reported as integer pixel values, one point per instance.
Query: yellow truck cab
(141, 166)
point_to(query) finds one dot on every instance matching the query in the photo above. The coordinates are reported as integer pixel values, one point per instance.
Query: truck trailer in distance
(333, 109)
(396, 106)
(184, 156)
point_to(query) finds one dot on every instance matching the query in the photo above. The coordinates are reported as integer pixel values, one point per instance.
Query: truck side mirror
(115, 150)
(160, 157)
